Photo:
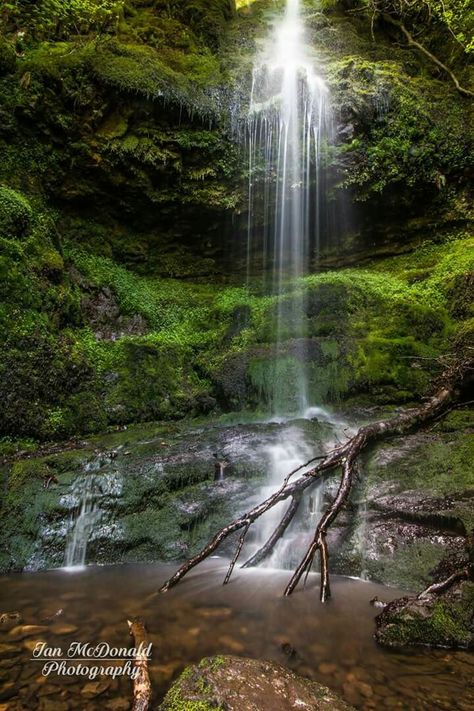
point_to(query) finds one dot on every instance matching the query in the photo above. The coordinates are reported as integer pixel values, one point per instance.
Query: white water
(89, 491)
(287, 121)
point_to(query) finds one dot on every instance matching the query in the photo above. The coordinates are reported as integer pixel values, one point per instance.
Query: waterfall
(86, 490)
(286, 125)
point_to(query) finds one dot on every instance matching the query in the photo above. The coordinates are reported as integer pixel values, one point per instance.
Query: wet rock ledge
(239, 684)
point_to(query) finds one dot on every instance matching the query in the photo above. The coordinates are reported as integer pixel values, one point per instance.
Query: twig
(237, 553)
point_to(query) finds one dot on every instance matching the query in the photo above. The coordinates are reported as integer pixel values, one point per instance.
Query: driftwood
(343, 457)
(141, 683)
(445, 585)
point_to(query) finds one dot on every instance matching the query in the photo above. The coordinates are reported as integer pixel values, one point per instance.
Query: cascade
(287, 123)
(288, 120)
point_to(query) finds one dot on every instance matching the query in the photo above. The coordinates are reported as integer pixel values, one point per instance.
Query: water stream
(287, 122)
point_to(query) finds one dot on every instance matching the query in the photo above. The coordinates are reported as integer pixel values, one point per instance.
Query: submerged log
(344, 457)
(141, 683)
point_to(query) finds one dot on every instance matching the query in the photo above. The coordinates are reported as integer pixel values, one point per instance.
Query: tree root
(343, 456)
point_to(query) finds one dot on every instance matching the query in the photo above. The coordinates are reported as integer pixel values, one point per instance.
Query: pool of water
(331, 643)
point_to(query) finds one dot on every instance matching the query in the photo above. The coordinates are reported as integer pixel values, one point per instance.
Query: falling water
(87, 491)
(287, 121)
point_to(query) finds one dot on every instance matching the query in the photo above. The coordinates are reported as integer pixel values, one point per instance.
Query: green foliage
(60, 18)
(15, 213)
(455, 17)
(7, 57)
(413, 130)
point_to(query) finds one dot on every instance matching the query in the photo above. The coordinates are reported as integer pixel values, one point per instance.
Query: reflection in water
(333, 643)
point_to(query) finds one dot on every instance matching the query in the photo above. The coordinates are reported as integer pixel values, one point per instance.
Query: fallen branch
(412, 42)
(141, 682)
(345, 456)
(438, 588)
(270, 544)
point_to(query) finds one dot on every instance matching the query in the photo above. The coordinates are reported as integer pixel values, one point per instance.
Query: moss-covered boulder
(240, 684)
(15, 213)
(438, 621)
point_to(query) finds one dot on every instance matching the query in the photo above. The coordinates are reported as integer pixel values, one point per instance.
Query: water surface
(330, 643)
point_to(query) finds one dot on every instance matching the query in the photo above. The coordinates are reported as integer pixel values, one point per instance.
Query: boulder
(240, 684)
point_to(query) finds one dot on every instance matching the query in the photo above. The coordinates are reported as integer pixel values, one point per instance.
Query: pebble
(350, 694)
(47, 704)
(8, 650)
(327, 668)
(231, 643)
(121, 704)
(94, 688)
(194, 631)
(49, 690)
(23, 631)
(364, 688)
(60, 629)
(31, 644)
(214, 611)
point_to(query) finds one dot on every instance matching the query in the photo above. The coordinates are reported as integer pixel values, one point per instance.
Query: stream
(332, 644)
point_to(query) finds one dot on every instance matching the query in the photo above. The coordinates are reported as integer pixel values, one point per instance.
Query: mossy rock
(445, 621)
(15, 213)
(235, 683)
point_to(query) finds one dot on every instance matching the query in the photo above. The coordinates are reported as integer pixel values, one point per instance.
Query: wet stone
(327, 668)
(94, 688)
(24, 631)
(8, 650)
(60, 629)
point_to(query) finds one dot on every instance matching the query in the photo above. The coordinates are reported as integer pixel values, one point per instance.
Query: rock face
(238, 684)
(446, 620)
(412, 509)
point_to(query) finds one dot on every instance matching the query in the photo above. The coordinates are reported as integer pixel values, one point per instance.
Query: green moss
(447, 624)
(15, 213)
(444, 466)
(177, 698)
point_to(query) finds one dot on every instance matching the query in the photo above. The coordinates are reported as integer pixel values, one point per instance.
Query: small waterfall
(87, 490)
(286, 125)
(292, 450)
